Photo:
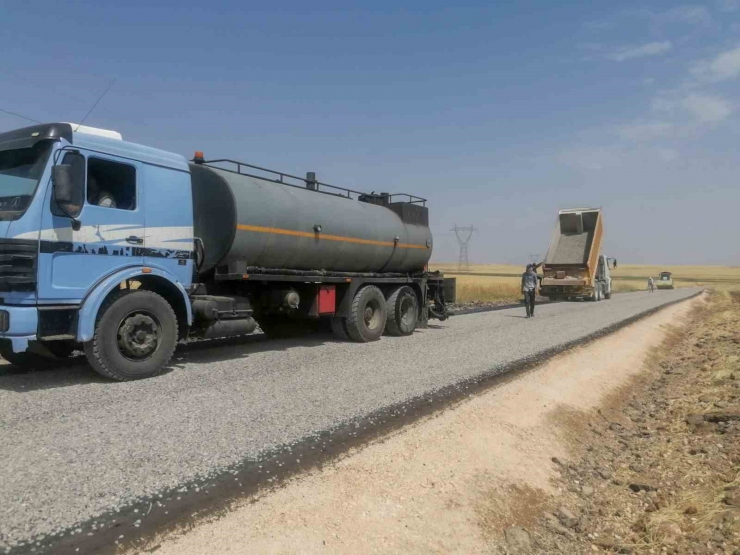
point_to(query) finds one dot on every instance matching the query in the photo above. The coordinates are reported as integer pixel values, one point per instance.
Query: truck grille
(18, 261)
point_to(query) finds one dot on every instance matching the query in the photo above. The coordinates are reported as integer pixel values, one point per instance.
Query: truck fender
(93, 301)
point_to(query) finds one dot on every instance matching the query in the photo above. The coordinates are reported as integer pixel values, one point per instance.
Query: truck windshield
(20, 172)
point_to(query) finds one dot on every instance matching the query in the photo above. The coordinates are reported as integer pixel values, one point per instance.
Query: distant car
(665, 281)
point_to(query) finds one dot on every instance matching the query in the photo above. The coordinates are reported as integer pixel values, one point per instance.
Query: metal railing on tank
(309, 182)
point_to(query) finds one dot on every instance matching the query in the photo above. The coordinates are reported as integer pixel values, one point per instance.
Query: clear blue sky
(499, 112)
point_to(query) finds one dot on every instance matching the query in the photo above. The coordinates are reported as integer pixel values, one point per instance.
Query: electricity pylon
(463, 234)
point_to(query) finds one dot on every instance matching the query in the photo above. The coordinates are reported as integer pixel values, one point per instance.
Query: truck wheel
(135, 336)
(367, 316)
(339, 328)
(423, 318)
(402, 310)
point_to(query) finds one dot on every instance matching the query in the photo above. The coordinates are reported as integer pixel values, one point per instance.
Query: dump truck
(123, 251)
(664, 281)
(574, 267)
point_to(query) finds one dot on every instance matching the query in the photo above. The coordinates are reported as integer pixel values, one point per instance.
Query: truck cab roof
(103, 140)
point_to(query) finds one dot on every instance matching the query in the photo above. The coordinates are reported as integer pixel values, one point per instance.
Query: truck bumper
(566, 291)
(19, 325)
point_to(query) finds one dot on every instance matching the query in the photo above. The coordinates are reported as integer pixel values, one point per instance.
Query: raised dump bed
(573, 237)
(573, 267)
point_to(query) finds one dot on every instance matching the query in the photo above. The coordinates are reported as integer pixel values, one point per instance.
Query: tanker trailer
(296, 252)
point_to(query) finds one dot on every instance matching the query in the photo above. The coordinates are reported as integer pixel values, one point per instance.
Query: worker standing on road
(651, 284)
(529, 289)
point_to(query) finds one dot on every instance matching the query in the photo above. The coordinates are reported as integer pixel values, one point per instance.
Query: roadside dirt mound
(656, 469)
(476, 478)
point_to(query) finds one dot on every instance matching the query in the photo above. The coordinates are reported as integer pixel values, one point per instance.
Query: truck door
(111, 229)
(168, 209)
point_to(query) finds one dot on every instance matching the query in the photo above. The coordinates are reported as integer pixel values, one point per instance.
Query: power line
(96, 102)
(463, 234)
(18, 115)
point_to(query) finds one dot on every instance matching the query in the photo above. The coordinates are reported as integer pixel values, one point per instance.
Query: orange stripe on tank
(326, 237)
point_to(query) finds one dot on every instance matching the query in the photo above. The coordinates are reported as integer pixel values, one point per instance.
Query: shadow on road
(76, 371)
(57, 373)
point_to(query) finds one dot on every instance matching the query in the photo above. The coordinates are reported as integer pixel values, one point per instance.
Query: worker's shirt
(529, 281)
(106, 200)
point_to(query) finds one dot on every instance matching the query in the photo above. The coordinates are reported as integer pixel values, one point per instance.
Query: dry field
(500, 282)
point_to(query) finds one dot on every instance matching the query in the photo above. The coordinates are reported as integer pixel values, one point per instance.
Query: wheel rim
(408, 311)
(139, 335)
(372, 314)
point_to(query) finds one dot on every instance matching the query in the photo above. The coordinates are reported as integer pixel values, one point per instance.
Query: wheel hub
(369, 313)
(408, 312)
(138, 336)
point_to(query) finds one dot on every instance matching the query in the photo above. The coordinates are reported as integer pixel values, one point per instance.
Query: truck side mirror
(69, 186)
(63, 183)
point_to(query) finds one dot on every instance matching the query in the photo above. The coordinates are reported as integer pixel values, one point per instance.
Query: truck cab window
(111, 184)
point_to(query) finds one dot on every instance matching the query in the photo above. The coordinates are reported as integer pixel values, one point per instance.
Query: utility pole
(463, 234)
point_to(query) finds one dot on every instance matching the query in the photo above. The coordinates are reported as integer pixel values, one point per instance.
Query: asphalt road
(74, 446)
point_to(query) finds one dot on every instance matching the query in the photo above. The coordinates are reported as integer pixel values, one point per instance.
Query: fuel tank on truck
(269, 224)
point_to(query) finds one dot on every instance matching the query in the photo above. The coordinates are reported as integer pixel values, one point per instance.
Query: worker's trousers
(529, 301)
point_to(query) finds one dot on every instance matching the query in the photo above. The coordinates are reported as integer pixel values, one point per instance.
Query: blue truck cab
(85, 215)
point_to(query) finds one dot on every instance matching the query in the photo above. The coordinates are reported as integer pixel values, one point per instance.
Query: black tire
(423, 318)
(403, 311)
(367, 316)
(339, 328)
(116, 352)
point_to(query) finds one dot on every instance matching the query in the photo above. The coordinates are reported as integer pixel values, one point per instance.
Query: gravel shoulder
(75, 447)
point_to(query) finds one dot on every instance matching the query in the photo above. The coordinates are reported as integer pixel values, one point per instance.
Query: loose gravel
(74, 446)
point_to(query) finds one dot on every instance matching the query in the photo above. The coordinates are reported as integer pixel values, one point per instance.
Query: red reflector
(327, 300)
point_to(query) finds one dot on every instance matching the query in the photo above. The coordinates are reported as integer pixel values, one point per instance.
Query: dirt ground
(544, 463)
